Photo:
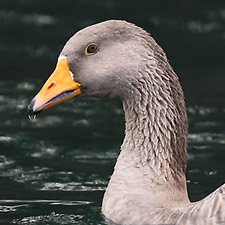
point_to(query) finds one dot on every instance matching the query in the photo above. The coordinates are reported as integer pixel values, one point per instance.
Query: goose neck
(156, 127)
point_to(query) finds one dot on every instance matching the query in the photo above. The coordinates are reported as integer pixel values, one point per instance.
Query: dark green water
(54, 170)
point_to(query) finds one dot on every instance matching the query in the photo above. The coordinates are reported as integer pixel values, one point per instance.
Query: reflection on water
(54, 170)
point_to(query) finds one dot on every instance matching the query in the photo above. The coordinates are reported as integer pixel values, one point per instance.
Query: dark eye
(91, 49)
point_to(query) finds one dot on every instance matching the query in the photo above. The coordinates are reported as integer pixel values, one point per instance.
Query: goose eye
(91, 49)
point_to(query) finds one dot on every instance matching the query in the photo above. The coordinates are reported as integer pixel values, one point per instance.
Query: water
(54, 170)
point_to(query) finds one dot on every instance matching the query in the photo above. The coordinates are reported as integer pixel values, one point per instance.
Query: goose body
(148, 185)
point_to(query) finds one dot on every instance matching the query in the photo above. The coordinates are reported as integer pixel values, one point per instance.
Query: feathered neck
(156, 120)
(156, 125)
(152, 163)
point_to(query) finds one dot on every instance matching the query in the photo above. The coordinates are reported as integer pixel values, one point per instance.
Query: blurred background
(54, 170)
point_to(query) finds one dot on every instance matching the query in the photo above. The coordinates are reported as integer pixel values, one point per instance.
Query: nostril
(51, 85)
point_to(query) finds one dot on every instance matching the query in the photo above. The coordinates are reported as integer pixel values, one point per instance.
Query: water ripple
(6, 139)
(25, 86)
(56, 218)
(97, 185)
(209, 138)
(4, 162)
(44, 201)
(29, 18)
(6, 209)
(48, 121)
(201, 110)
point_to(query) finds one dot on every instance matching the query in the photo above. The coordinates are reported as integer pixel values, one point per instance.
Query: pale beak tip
(31, 112)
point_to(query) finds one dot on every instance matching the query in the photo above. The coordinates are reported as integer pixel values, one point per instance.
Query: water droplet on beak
(32, 116)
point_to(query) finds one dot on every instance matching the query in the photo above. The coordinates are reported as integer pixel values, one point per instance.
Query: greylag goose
(148, 185)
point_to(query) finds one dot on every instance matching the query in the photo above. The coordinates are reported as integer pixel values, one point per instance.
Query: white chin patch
(72, 76)
(61, 57)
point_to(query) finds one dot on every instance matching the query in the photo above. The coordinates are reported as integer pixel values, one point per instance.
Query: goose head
(101, 60)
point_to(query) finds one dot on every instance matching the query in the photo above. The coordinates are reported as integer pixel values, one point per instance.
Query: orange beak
(59, 87)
